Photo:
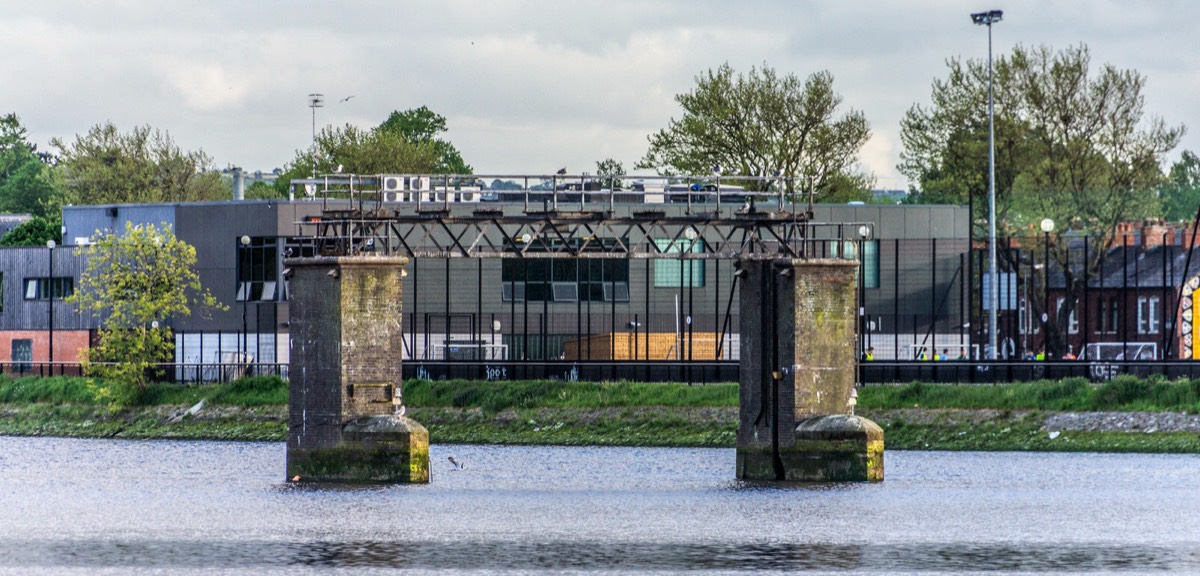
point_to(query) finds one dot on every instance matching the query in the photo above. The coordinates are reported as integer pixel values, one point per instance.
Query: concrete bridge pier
(798, 329)
(346, 419)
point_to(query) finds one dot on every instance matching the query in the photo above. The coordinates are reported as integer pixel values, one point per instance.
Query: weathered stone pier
(798, 328)
(346, 419)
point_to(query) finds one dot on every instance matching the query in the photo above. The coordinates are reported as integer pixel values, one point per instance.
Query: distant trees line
(1074, 143)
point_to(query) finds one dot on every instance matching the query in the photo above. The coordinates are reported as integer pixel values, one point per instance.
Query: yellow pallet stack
(625, 346)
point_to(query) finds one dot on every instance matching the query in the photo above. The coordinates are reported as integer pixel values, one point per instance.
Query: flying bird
(457, 465)
(346, 99)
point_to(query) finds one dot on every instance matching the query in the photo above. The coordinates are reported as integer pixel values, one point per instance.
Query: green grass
(1005, 417)
(252, 391)
(53, 390)
(1123, 393)
(641, 426)
(496, 396)
(1022, 431)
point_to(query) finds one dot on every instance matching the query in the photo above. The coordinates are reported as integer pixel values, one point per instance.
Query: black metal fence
(1002, 372)
(180, 373)
(696, 372)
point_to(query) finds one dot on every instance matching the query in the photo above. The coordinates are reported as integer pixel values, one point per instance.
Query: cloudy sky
(527, 86)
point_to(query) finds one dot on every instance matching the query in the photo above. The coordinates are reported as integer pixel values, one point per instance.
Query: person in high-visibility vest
(870, 355)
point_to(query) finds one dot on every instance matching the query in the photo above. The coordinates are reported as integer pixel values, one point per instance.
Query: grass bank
(247, 409)
(914, 416)
(1123, 393)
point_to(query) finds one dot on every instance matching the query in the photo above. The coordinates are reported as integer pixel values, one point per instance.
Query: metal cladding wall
(20, 263)
(918, 267)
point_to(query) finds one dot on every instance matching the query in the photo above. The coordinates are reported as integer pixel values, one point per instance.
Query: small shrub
(912, 392)
(52, 390)
(253, 391)
(1062, 390)
(467, 397)
(1121, 391)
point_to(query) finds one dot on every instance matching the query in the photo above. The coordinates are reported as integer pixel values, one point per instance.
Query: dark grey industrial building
(914, 271)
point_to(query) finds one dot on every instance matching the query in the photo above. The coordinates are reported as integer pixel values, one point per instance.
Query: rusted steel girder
(489, 233)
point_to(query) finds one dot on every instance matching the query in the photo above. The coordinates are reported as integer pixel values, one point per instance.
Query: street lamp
(314, 101)
(987, 19)
(244, 288)
(50, 244)
(1047, 228)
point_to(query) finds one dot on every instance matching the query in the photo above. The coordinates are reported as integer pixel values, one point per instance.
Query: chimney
(239, 188)
(1155, 233)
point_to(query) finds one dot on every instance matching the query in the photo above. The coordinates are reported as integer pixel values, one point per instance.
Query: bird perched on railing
(562, 171)
(748, 207)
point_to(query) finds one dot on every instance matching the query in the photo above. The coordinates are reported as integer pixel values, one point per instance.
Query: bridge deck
(363, 221)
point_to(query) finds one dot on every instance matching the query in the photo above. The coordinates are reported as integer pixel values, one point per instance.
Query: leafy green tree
(760, 123)
(608, 173)
(35, 232)
(261, 190)
(145, 165)
(424, 126)
(137, 281)
(26, 180)
(1181, 193)
(1072, 144)
(945, 146)
(360, 151)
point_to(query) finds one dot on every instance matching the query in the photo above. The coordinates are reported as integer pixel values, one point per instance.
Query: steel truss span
(762, 218)
(573, 235)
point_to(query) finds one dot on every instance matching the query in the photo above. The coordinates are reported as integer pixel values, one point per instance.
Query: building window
(1109, 315)
(1073, 321)
(676, 272)
(564, 280)
(868, 264)
(22, 354)
(258, 271)
(45, 288)
(1147, 314)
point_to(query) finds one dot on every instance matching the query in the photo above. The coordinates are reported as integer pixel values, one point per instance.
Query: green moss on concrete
(358, 464)
(372, 449)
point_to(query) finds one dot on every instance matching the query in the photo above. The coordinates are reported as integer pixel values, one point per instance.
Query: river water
(72, 506)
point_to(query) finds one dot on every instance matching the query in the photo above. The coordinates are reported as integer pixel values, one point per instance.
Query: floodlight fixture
(987, 18)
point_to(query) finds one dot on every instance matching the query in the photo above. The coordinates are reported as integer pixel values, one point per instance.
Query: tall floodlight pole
(315, 101)
(987, 19)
